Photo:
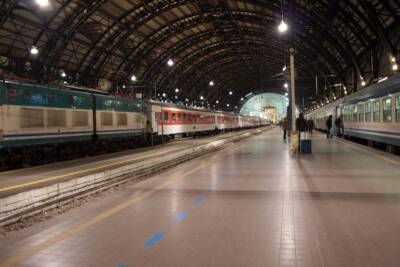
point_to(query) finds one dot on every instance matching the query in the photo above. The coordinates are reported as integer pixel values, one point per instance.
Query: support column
(292, 52)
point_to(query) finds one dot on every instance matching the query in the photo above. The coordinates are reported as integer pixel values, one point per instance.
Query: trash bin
(305, 146)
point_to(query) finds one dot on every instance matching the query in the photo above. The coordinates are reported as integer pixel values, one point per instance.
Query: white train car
(371, 114)
(170, 119)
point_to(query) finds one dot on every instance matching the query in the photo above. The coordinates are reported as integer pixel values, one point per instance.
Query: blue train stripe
(373, 131)
(71, 133)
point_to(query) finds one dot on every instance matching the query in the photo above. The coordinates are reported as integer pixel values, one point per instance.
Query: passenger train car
(39, 122)
(371, 114)
(171, 119)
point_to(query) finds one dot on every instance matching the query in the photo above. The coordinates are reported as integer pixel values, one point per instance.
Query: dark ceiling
(234, 43)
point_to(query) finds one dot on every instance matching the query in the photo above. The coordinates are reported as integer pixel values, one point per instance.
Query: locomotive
(47, 123)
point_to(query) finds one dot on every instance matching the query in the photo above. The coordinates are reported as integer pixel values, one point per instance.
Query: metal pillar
(292, 52)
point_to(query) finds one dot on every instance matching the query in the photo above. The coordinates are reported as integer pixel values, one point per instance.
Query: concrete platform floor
(15, 181)
(252, 204)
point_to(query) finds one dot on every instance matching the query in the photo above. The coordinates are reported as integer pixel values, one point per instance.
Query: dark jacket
(329, 122)
(301, 124)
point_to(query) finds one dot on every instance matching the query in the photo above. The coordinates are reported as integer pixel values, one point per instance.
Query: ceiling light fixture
(283, 27)
(42, 3)
(34, 50)
(170, 62)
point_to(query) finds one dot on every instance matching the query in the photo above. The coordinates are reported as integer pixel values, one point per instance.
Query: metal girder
(6, 11)
(194, 22)
(185, 65)
(339, 34)
(378, 27)
(346, 51)
(70, 29)
(115, 40)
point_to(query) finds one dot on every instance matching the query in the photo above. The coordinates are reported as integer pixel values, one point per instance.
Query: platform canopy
(204, 48)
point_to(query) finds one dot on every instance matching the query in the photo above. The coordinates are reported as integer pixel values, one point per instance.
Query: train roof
(172, 105)
(68, 89)
(386, 87)
(389, 86)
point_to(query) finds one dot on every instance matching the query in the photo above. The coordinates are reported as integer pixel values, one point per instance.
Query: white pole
(292, 51)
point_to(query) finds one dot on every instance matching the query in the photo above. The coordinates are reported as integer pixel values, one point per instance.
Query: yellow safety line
(370, 152)
(43, 180)
(136, 151)
(51, 241)
(40, 181)
(102, 216)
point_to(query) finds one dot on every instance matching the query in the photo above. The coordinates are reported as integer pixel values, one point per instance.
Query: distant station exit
(270, 113)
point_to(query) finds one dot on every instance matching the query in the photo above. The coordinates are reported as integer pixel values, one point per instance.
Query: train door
(337, 113)
(153, 118)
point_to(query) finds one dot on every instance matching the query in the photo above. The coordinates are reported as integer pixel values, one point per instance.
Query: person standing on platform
(284, 126)
(329, 127)
(338, 125)
(310, 126)
(301, 123)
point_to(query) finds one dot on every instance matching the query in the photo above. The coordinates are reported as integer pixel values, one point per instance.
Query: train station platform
(250, 204)
(20, 180)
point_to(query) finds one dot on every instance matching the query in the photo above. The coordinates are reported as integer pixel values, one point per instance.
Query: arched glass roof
(259, 105)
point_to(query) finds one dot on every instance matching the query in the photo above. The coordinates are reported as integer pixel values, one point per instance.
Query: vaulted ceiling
(233, 43)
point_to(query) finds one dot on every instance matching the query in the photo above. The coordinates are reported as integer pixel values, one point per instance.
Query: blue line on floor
(122, 265)
(181, 216)
(211, 190)
(199, 200)
(154, 239)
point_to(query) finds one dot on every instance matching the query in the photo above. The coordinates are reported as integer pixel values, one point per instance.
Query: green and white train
(41, 124)
(371, 114)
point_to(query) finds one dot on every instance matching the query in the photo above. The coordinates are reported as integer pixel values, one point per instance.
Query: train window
(179, 117)
(173, 117)
(368, 112)
(361, 112)
(377, 111)
(166, 116)
(348, 114)
(31, 118)
(122, 119)
(184, 117)
(387, 110)
(80, 118)
(56, 118)
(355, 113)
(398, 108)
(106, 119)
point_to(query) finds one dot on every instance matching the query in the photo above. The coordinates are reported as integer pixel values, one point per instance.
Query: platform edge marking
(51, 241)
